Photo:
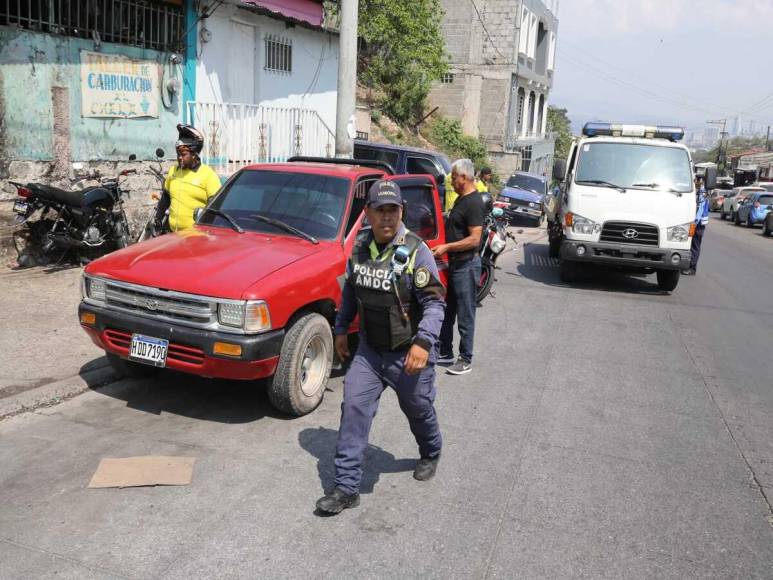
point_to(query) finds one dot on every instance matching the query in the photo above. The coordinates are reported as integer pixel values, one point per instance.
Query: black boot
(425, 468)
(337, 501)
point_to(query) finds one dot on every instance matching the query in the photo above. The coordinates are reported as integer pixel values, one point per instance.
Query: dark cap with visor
(384, 192)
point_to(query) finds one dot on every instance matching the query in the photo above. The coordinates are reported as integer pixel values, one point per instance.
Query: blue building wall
(32, 64)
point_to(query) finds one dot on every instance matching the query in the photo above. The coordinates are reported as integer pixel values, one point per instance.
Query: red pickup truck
(251, 291)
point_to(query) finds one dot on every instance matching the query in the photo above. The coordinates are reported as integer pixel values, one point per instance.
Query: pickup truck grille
(153, 303)
(630, 233)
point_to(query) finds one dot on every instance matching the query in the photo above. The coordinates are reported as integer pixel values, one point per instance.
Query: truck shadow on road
(215, 400)
(321, 442)
(540, 267)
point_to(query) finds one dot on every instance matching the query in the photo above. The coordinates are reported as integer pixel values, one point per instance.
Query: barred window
(447, 78)
(279, 54)
(142, 23)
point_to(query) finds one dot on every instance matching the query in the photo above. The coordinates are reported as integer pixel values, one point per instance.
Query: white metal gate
(238, 134)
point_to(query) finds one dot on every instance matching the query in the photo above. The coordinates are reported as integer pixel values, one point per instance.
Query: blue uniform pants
(368, 376)
(695, 248)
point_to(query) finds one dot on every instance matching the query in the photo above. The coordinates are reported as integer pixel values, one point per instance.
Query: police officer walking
(392, 282)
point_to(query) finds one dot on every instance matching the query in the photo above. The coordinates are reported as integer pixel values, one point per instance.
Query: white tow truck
(627, 201)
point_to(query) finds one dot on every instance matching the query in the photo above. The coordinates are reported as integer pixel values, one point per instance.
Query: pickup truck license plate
(148, 350)
(20, 207)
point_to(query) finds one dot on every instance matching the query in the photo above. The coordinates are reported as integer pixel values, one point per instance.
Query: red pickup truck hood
(206, 261)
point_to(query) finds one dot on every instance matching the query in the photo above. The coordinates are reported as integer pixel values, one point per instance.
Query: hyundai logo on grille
(151, 304)
(630, 234)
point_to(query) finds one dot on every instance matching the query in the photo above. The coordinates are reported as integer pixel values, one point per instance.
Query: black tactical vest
(377, 288)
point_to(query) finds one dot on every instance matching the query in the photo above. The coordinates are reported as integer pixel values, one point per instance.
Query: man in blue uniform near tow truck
(392, 281)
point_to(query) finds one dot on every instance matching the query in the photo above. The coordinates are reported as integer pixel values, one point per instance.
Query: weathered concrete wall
(41, 127)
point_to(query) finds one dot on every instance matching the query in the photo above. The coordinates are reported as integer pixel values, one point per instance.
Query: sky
(664, 61)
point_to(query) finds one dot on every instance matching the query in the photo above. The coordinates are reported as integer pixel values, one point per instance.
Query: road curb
(57, 392)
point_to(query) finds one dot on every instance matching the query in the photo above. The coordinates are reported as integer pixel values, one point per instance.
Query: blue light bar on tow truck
(644, 131)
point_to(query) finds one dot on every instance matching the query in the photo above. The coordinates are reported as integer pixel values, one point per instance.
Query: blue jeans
(460, 303)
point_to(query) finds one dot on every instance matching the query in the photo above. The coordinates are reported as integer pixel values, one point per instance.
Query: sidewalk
(45, 357)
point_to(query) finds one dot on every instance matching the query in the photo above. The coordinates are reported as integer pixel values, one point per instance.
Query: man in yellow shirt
(481, 184)
(190, 183)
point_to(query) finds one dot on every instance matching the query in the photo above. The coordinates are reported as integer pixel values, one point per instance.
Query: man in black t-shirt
(464, 225)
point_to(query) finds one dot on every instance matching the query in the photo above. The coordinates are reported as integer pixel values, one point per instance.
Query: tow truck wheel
(567, 271)
(304, 366)
(131, 370)
(766, 231)
(668, 279)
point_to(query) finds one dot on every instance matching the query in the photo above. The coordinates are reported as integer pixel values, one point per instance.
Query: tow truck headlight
(680, 233)
(251, 316)
(94, 289)
(581, 225)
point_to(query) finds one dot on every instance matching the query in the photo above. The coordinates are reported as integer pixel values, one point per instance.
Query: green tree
(401, 53)
(558, 122)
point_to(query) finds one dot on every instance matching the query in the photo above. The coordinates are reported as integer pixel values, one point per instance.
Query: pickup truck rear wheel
(304, 366)
(668, 279)
(131, 370)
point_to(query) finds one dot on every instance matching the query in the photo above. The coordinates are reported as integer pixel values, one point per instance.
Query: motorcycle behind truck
(79, 224)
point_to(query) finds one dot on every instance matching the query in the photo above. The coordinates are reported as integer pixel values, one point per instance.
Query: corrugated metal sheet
(303, 11)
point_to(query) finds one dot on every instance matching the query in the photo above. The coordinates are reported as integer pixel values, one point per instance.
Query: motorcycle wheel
(121, 235)
(486, 280)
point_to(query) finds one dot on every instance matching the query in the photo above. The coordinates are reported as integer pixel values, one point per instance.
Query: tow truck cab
(627, 200)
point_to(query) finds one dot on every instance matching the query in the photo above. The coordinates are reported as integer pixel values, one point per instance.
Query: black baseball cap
(384, 192)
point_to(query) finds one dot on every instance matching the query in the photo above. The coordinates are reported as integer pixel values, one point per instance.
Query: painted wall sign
(117, 86)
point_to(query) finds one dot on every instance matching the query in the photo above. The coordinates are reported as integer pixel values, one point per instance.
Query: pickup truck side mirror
(710, 179)
(559, 170)
(197, 214)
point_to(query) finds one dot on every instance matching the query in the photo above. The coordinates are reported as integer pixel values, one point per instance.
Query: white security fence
(237, 134)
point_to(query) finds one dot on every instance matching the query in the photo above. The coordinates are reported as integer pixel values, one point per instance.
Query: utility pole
(347, 80)
(767, 140)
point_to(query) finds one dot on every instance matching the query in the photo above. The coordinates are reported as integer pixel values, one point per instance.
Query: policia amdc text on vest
(392, 282)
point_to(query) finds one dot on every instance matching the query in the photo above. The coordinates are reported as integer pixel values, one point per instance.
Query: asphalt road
(607, 430)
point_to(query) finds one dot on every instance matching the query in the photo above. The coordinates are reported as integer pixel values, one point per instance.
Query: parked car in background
(526, 193)
(730, 205)
(755, 208)
(766, 185)
(410, 160)
(718, 194)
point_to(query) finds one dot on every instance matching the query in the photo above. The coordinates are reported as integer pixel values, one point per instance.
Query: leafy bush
(448, 134)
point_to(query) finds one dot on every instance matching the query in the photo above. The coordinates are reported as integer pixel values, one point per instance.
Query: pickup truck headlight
(680, 233)
(251, 316)
(94, 289)
(581, 225)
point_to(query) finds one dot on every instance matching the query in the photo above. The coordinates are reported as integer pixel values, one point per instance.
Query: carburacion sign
(117, 86)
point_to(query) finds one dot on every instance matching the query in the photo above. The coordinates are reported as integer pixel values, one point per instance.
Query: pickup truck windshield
(313, 204)
(627, 164)
(527, 183)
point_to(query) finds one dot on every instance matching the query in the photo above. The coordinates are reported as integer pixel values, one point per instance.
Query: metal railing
(238, 134)
(132, 22)
(513, 142)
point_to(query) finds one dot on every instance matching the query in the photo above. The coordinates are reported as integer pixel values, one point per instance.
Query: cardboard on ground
(143, 471)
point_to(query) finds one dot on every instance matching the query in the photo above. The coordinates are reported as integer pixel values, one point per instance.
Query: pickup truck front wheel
(304, 366)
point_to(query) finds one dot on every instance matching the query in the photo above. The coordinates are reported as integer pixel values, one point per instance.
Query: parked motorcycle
(85, 223)
(493, 242)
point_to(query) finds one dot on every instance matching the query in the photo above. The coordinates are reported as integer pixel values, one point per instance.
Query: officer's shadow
(321, 442)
